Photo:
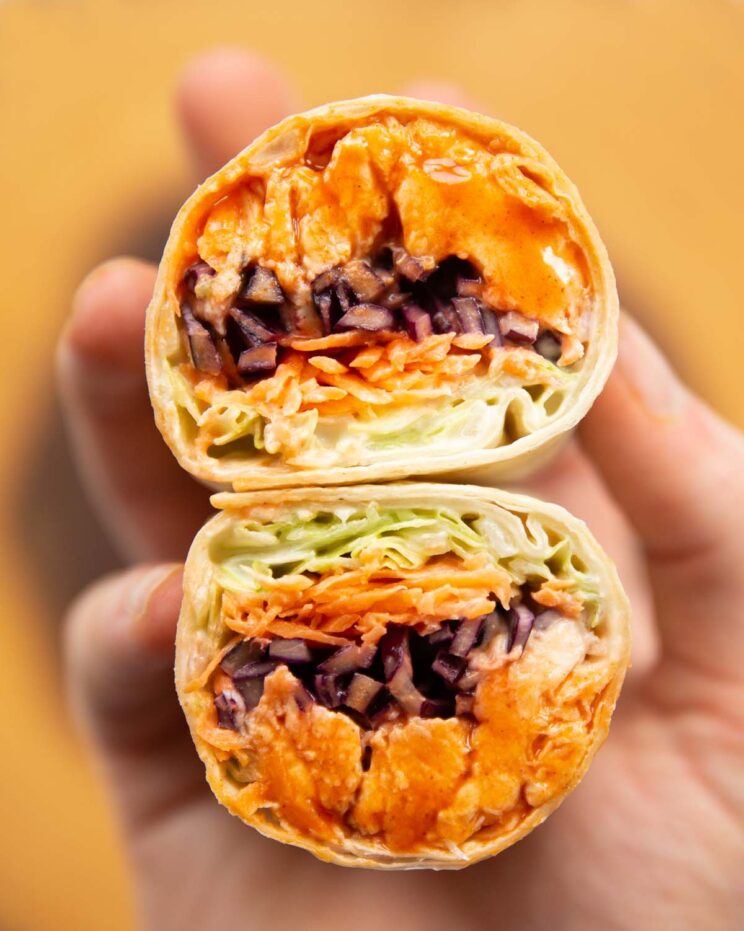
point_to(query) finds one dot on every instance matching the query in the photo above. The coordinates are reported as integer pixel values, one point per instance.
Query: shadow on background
(54, 524)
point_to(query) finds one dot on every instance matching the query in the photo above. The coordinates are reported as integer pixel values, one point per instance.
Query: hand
(653, 838)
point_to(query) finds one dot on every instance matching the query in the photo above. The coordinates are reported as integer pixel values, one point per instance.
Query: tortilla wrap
(398, 676)
(375, 289)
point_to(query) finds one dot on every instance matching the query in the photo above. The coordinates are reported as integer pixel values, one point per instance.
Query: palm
(652, 837)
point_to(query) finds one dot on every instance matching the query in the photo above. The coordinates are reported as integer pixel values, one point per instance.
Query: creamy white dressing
(551, 654)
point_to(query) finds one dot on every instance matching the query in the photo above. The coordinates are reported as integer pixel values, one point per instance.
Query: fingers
(150, 506)
(671, 462)
(225, 98)
(119, 655)
(677, 471)
(441, 92)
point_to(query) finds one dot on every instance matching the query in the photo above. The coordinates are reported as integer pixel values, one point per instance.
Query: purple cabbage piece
(254, 670)
(441, 635)
(548, 345)
(469, 314)
(258, 359)
(414, 268)
(290, 650)
(418, 322)
(370, 317)
(518, 328)
(326, 280)
(251, 691)
(396, 662)
(261, 287)
(303, 698)
(521, 621)
(329, 690)
(330, 298)
(435, 708)
(447, 666)
(466, 636)
(344, 296)
(348, 659)
(247, 651)
(253, 330)
(492, 624)
(394, 300)
(204, 353)
(230, 709)
(363, 280)
(394, 650)
(324, 305)
(197, 273)
(385, 709)
(404, 691)
(491, 326)
(362, 692)
(445, 319)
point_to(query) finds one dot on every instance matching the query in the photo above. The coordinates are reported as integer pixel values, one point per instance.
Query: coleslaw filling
(351, 404)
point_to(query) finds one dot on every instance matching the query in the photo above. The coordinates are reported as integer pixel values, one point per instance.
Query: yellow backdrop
(641, 103)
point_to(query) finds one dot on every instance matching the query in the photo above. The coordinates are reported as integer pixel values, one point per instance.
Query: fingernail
(86, 287)
(67, 345)
(146, 588)
(154, 626)
(648, 374)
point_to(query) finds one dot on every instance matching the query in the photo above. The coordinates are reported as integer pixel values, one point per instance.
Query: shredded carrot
(524, 364)
(556, 594)
(328, 365)
(367, 357)
(472, 340)
(339, 407)
(221, 681)
(333, 341)
(364, 600)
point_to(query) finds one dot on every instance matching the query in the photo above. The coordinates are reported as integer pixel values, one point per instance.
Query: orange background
(641, 103)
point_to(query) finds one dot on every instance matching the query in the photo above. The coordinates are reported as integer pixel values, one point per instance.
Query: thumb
(119, 645)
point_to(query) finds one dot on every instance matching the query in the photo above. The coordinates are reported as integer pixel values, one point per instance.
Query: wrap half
(399, 676)
(375, 289)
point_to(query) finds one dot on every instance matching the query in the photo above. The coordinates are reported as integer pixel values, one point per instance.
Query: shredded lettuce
(184, 397)
(247, 554)
(395, 537)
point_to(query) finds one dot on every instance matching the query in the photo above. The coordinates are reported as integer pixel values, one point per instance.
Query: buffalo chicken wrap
(397, 676)
(376, 289)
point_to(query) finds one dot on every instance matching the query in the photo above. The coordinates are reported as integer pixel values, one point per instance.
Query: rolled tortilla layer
(401, 676)
(374, 289)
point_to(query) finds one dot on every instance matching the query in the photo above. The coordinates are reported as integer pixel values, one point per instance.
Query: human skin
(653, 837)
